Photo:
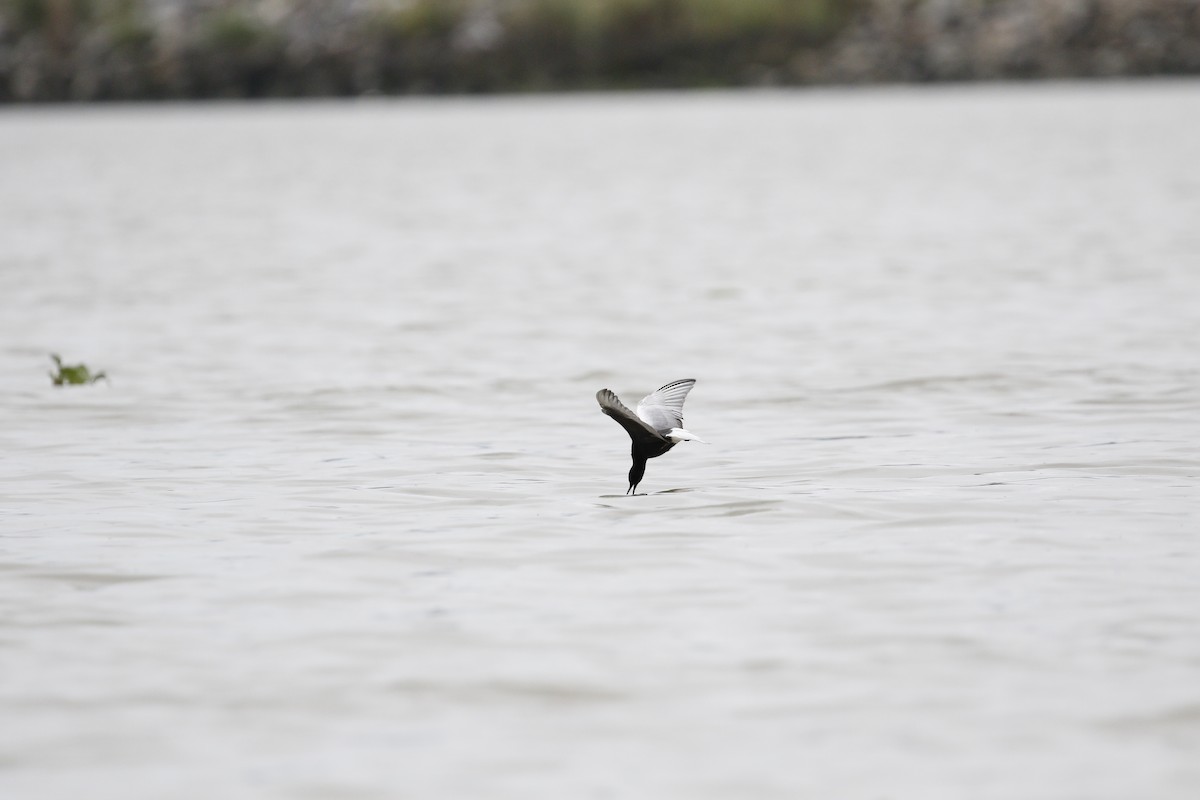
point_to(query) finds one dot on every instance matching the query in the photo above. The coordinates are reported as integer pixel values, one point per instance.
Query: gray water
(347, 522)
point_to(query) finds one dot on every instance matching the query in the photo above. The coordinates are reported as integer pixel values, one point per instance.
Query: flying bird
(655, 428)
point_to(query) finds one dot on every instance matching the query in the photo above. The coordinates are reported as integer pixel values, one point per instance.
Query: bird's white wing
(663, 409)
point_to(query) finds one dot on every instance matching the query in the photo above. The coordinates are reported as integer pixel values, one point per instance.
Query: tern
(655, 428)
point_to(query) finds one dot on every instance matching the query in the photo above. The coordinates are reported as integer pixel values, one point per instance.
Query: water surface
(346, 522)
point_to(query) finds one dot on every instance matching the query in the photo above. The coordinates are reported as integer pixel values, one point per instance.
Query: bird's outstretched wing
(639, 431)
(662, 410)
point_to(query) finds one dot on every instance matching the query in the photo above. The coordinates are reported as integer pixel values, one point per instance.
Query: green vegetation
(235, 50)
(127, 25)
(49, 14)
(420, 19)
(73, 374)
(117, 49)
(234, 29)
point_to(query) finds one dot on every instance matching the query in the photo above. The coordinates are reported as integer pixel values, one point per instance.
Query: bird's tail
(678, 435)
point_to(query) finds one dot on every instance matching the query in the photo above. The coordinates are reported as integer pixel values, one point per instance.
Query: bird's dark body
(640, 456)
(652, 452)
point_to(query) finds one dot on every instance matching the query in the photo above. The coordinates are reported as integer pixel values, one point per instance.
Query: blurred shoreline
(103, 50)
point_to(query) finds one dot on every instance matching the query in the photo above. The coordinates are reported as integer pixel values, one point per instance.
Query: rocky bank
(89, 50)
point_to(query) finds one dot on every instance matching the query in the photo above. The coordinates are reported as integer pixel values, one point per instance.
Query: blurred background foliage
(54, 50)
